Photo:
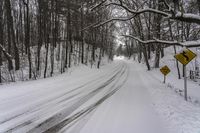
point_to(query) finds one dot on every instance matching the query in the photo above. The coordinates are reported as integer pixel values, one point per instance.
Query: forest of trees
(150, 26)
(39, 37)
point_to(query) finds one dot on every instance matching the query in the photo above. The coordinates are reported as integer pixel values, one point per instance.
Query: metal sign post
(185, 81)
(184, 58)
(164, 79)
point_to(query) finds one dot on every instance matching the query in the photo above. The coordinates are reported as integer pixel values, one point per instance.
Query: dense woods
(39, 38)
(148, 27)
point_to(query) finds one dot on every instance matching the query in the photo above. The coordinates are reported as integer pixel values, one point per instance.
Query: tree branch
(188, 44)
(88, 27)
(140, 11)
(98, 5)
(185, 17)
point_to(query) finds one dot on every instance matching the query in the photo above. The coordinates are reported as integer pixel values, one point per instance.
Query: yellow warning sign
(185, 56)
(165, 70)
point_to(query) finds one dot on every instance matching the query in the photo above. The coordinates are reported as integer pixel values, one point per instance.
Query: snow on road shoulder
(72, 75)
(178, 115)
(172, 78)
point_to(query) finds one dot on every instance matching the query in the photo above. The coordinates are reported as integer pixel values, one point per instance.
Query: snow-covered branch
(90, 26)
(187, 44)
(137, 12)
(98, 5)
(7, 55)
(185, 17)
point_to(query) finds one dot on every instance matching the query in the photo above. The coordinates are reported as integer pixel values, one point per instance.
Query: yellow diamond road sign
(185, 56)
(165, 70)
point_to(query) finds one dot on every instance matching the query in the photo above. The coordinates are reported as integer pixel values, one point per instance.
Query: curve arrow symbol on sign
(184, 54)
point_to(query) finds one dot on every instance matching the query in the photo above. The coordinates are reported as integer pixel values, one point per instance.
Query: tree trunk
(39, 34)
(82, 36)
(172, 38)
(145, 57)
(12, 32)
(46, 60)
(1, 39)
(27, 37)
(69, 33)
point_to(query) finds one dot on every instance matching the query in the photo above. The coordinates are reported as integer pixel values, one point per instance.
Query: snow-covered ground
(172, 80)
(177, 115)
(119, 97)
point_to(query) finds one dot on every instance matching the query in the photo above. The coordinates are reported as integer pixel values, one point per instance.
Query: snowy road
(114, 99)
(48, 105)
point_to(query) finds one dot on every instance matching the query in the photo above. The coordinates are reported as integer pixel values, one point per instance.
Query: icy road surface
(119, 98)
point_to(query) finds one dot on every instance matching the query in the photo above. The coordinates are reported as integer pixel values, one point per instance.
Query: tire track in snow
(56, 119)
(28, 122)
(39, 106)
(19, 125)
(76, 118)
